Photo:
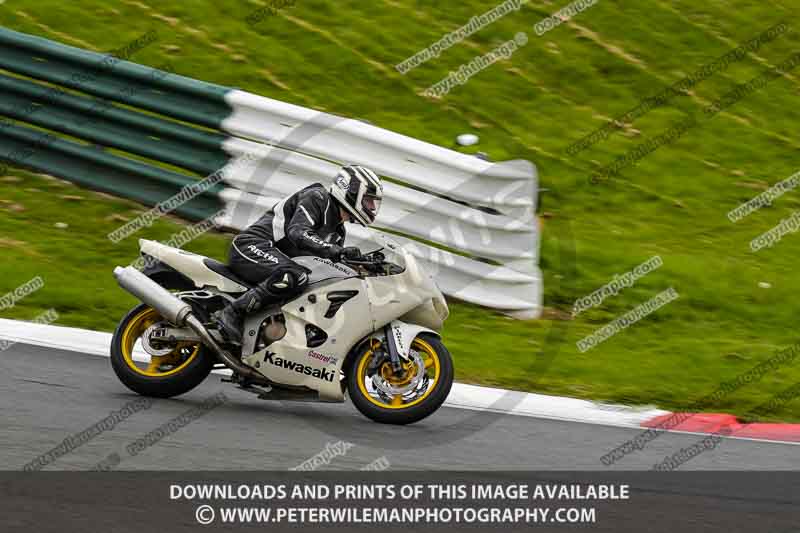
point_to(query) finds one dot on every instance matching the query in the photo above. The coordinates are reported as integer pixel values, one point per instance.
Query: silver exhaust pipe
(153, 294)
(177, 312)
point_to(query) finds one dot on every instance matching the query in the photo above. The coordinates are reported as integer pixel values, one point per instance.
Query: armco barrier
(85, 118)
(470, 221)
(94, 168)
(476, 232)
(509, 184)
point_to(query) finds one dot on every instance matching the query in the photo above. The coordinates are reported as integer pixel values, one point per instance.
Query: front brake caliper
(379, 356)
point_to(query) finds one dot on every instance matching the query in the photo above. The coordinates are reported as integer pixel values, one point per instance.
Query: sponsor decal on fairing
(318, 373)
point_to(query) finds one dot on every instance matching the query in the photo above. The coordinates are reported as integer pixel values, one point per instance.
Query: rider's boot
(231, 318)
(279, 286)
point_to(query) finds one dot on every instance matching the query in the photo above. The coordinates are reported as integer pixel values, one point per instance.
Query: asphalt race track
(48, 395)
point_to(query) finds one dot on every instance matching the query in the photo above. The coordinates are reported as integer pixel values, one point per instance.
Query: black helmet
(359, 191)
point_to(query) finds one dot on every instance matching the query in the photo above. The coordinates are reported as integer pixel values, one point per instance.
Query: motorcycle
(367, 328)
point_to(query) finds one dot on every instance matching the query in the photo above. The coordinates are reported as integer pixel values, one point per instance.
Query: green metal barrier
(121, 81)
(81, 100)
(101, 122)
(94, 168)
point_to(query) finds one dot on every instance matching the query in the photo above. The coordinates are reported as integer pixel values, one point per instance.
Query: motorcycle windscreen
(390, 249)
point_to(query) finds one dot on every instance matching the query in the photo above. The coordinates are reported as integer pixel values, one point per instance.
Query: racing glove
(348, 252)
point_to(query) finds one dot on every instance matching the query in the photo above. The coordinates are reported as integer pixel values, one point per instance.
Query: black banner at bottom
(407, 501)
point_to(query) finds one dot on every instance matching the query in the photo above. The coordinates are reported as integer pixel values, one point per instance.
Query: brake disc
(387, 388)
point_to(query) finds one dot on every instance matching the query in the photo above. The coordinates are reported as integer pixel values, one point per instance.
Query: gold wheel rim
(429, 358)
(133, 331)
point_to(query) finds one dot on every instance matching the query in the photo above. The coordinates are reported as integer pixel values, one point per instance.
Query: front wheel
(170, 370)
(404, 397)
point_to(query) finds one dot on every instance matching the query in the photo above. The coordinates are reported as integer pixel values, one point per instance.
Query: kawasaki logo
(330, 263)
(318, 373)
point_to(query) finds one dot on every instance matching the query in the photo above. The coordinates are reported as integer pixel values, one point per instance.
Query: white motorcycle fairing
(375, 302)
(190, 265)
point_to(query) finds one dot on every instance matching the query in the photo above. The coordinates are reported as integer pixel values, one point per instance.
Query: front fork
(398, 337)
(391, 347)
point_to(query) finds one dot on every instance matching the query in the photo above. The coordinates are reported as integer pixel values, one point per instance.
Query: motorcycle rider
(308, 222)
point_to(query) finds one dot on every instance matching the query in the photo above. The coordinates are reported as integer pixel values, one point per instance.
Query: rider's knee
(287, 281)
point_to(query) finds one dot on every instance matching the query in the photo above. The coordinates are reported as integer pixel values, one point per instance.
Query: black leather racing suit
(306, 223)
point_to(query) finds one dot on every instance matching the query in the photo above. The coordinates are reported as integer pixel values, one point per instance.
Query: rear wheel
(404, 397)
(177, 369)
